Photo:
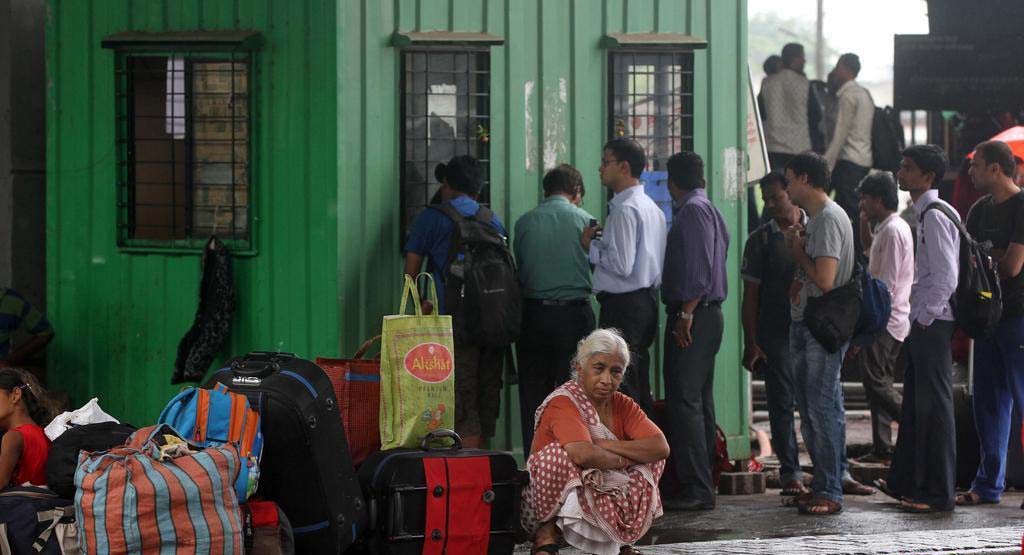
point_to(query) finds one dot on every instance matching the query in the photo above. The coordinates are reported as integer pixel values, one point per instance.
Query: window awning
(206, 40)
(646, 40)
(404, 39)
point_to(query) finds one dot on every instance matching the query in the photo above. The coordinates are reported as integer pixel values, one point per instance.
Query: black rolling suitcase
(306, 467)
(450, 501)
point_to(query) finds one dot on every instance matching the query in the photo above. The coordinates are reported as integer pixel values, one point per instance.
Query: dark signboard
(945, 72)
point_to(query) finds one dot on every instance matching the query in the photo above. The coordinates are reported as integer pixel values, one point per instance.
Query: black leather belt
(559, 302)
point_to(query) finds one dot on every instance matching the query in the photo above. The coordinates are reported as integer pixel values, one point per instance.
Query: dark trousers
(544, 352)
(689, 400)
(477, 389)
(780, 388)
(924, 463)
(998, 386)
(846, 178)
(877, 363)
(635, 314)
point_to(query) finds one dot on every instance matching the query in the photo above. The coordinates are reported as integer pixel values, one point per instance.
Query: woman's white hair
(607, 341)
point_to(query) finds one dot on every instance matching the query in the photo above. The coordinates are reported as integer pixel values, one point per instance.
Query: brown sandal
(818, 502)
(853, 487)
(549, 548)
(972, 498)
(629, 550)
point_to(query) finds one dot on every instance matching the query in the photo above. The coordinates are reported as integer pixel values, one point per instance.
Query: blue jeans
(998, 385)
(819, 397)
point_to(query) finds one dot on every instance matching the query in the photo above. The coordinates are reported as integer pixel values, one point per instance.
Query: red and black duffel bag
(435, 501)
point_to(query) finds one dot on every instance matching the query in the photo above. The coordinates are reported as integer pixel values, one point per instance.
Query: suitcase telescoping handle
(439, 434)
(259, 364)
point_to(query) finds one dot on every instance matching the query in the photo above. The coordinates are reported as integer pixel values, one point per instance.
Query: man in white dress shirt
(628, 261)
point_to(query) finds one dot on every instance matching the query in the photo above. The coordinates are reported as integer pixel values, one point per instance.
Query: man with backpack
(890, 247)
(627, 262)
(555, 275)
(457, 236)
(997, 219)
(922, 474)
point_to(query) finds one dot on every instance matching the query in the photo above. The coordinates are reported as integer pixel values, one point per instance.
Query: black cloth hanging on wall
(212, 324)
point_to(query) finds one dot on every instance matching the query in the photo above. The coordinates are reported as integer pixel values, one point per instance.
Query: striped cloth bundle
(154, 495)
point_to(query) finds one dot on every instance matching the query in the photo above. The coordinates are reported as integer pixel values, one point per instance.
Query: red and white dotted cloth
(622, 503)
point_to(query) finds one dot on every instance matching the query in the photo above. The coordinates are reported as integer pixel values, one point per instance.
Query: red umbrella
(1014, 136)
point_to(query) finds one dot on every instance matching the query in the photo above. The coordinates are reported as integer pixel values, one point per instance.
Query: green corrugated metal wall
(330, 170)
(550, 46)
(119, 316)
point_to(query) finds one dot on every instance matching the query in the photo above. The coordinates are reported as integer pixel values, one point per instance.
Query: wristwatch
(684, 315)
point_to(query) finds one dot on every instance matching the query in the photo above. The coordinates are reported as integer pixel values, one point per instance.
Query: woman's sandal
(910, 506)
(972, 498)
(816, 502)
(549, 548)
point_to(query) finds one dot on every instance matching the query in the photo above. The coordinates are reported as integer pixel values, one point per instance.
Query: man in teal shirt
(555, 275)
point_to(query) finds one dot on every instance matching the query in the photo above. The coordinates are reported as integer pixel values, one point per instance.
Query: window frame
(687, 140)
(124, 143)
(428, 49)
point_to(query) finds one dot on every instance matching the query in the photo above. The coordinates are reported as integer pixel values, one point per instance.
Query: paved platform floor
(868, 525)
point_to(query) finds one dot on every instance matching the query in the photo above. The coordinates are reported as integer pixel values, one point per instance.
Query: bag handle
(409, 290)
(365, 347)
(432, 289)
(439, 434)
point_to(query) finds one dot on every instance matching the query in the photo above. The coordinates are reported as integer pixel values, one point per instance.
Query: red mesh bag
(356, 384)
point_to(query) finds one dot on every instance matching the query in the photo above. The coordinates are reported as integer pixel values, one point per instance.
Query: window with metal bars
(446, 112)
(184, 130)
(650, 99)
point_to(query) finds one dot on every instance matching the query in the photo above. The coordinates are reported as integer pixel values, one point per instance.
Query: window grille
(445, 112)
(184, 130)
(650, 99)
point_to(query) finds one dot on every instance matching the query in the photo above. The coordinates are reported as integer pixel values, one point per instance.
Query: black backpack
(978, 300)
(481, 289)
(886, 139)
(63, 459)
(887, 142)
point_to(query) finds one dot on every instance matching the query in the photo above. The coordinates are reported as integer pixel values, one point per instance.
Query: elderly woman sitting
(596, 458)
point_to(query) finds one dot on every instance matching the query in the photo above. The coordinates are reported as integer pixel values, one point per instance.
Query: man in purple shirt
(923, 468)
(693, 286)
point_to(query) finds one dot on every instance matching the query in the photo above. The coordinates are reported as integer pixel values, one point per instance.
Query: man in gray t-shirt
(827, 234)
(823, 254)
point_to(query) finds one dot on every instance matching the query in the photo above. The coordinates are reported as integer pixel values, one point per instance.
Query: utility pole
(819, 45)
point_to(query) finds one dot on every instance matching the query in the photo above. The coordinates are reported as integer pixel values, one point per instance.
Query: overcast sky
(865, 27)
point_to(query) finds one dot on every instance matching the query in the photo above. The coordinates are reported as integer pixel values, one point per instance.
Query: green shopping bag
(417, 372)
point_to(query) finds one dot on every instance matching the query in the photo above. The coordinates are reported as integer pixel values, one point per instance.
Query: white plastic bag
(90, 413)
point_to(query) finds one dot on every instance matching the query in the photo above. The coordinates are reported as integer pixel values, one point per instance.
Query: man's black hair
(628, 150)
(686, 170)
(791, 52)
(814, 166)
(772, 178)
(998, 152)
(772, 64)
(464, 173)
(563, 179)
(881, 186)
(851, 62)
(930, 158)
